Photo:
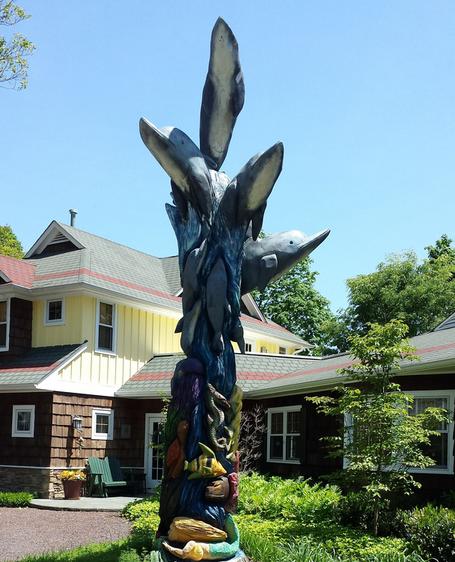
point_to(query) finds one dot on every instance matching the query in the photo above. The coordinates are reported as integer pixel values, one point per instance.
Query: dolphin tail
(179, 327)
(217, 343)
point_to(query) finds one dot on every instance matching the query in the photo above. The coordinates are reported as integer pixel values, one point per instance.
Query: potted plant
(72, 481)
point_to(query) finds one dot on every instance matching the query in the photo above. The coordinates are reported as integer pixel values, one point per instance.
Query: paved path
(25, 531)
(86, 504)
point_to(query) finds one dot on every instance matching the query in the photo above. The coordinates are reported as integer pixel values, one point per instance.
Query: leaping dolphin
(268, 258)
(182, 160)
(223, 95)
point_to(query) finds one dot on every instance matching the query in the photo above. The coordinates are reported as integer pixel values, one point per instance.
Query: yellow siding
(67, 333)
(270, 346)
(139, 335)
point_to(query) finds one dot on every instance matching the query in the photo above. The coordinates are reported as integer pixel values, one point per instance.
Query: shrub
(430, 531)
(129, 555)
(143, 529)
(296, 499)
(140, 508)
(15, 499)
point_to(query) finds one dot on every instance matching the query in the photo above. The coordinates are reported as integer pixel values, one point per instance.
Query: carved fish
(205, 466)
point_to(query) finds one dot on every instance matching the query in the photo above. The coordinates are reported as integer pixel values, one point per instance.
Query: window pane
(277, 422)
(102, 423)
(437, 450)
(24, 419)
(54, 311)
(2, 335)
(421, 404)
(294, 422)
(106, 313)
(248, 347)
(105, 337)
(282, 351)
(276, 447)
(2, 311)
(292, 448)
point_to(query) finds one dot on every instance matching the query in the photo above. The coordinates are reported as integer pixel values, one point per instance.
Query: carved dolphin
(216, 299)
(255, 182)
(223, 95)
(268, 258)
(182, 160)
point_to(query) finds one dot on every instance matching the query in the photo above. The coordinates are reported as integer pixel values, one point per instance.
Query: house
(79, 316)
(87, 351)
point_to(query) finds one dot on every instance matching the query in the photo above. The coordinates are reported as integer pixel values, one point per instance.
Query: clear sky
(361, 92)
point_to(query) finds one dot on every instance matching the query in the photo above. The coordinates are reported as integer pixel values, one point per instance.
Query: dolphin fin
(207, 450)
(217, 343)
(256, 222)
(180, 202)
(269, 265)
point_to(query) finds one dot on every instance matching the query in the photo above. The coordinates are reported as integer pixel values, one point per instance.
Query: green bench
(104, 474)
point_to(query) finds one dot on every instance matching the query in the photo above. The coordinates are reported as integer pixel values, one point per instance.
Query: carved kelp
(217, 222)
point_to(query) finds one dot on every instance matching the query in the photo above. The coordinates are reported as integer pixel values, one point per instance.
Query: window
(263, 349)
(23, 423)
(54, 312)
(4, 325)
(282, 350)
(283, 434)
(105, 330)
(441, 446)
(102, 424)
(248, 347)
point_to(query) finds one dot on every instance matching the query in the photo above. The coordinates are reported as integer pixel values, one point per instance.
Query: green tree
(9, 243)
(381, 437)
(13, 50)
(421, 294)
(294, 302)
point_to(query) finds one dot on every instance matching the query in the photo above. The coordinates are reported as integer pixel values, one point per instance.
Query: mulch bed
(25, 531)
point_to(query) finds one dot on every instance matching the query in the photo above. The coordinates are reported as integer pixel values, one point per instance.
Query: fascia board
(5, 277)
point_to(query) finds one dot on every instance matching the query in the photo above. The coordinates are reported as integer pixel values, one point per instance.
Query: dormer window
(4, 325)
(54, 312)
(105, 327)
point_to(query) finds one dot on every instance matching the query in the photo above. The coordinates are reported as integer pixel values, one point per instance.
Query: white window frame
(48, 322)
(23, 408)
(280, 347)
(109, 435)
(284, 410)
(449, 394)
(99, 349)
(8, 306)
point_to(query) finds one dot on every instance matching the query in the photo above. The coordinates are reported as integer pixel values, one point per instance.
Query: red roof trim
(18, 271)
(241, 375)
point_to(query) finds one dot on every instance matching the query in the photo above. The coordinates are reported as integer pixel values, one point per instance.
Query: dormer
(56, 239)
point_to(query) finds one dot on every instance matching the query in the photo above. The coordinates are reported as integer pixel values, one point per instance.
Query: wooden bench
(105, 475)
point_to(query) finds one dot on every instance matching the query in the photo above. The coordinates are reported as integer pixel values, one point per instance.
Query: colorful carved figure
(218, 490)
(233, 418)
(205, 466)
(216, 405)
(223, 550)
(231, 504)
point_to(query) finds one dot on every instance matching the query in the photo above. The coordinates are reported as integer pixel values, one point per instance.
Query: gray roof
(268, 375)
(108, 265)
(448, 323)
(33, 366)
(253, 371)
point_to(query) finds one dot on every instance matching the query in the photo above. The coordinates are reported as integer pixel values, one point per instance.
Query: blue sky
(361, 93)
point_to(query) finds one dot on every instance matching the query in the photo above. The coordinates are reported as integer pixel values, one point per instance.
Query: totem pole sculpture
(217, 221)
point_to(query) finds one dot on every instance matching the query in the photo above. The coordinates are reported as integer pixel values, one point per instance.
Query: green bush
(140, 508)
(15, 499)
(310, 504)
(129, 555)
(430, 531)
(143, 529)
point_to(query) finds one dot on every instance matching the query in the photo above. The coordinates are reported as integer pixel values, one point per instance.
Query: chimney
(73, 213)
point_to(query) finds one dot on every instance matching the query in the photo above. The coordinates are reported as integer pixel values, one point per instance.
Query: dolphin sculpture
(216, 299)
(182, 160)
(223, 95)
(268, 258)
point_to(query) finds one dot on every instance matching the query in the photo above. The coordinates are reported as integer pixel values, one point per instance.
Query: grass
(15, 499)
(105, 552)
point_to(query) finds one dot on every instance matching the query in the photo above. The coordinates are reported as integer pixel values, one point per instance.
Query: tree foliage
(293, 302)
(9, 243)
(381, 437)
(421, 294)
(13, 50)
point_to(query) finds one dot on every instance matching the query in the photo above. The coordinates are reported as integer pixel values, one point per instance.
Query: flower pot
(72, 489)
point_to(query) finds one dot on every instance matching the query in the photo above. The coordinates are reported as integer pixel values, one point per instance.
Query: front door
(153, 449)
